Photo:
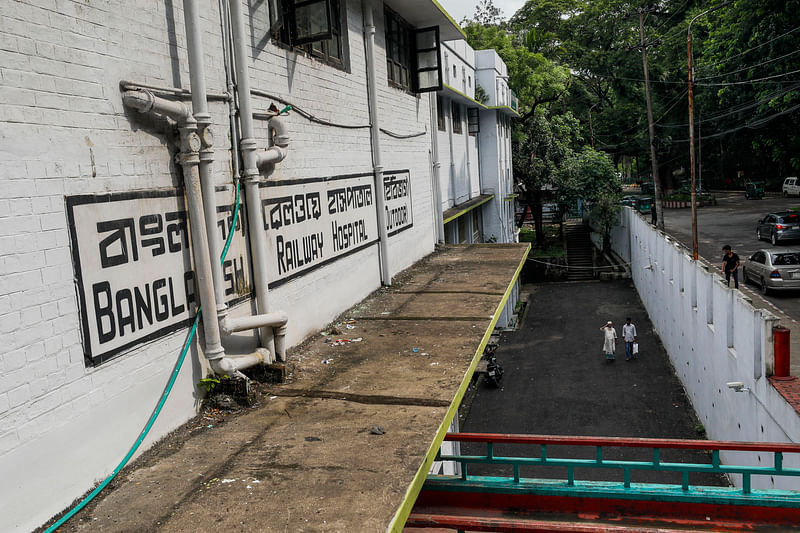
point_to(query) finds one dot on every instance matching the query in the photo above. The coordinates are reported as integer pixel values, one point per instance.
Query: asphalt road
(557, 382)
(733, 221)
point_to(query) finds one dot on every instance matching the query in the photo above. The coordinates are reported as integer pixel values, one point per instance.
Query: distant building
(474, 145)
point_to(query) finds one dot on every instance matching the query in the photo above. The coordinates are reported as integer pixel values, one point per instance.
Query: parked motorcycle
(494, 372)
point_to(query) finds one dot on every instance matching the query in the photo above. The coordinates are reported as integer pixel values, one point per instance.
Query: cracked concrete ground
(307, 459)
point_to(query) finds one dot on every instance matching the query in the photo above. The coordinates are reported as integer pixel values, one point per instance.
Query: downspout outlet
(280, 144)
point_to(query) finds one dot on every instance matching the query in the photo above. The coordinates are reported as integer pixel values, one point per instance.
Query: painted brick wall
(64, 131)
(713, 335)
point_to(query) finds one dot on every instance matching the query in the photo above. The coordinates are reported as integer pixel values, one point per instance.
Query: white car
(791, 187)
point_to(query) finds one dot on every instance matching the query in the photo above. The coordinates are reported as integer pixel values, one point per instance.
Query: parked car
(629, 200)
(778, 227)
(791, 187)
(774, 269)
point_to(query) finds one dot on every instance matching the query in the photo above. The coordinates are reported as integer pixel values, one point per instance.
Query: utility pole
(650, 125)
(691, 127)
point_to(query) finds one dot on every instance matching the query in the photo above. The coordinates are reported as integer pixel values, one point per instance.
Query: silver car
(779, 226)
(775, 269)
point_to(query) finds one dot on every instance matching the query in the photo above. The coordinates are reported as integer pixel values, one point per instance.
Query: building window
(398, 50)
(456, 116)
(413, 55)
(440, 120)
(314, 27)
(473, 121)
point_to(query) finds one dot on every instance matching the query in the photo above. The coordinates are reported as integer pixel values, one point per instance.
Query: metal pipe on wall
(437, 189)
(190, 161)
(255, 215)
(380, 202)
(197, 75)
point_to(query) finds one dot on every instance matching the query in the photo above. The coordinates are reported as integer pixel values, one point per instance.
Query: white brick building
(474, 109)
(98, 280)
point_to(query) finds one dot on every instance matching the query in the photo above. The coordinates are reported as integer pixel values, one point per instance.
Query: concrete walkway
(344, 445)
(557, 381)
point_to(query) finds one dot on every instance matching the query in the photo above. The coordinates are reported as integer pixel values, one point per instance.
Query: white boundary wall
(713, 336)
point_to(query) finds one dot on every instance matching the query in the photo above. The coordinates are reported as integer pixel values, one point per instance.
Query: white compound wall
(713, 335)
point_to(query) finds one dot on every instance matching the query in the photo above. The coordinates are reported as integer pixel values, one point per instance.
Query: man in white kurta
(609, 340)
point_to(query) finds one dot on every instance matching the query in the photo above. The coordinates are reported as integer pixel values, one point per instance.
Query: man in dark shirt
(730, 265)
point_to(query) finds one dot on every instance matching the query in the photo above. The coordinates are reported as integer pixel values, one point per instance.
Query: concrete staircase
(579, 252)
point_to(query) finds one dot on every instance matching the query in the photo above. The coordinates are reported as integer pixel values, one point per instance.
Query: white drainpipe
(380, 201)
(197, 74)
(437, 190)
(146, 102)
(273, 341)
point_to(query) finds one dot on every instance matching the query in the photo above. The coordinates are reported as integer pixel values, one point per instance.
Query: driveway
(557, 381)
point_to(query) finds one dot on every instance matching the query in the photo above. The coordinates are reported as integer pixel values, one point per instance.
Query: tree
(535, 79)
(590, 175)
(540, 146)
(487, 14)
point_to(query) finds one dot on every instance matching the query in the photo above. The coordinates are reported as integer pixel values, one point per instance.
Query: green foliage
(589, 175)
(210, 383)
(526, 235)
(480, 94)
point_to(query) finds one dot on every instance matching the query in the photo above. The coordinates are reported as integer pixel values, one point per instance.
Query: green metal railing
(545, 444)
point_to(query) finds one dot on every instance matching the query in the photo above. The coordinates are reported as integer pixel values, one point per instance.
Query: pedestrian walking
(609, 341)
(653, 214)
(730, 266)
(629, 337)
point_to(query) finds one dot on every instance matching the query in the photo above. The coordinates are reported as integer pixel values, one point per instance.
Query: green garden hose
(164, 395)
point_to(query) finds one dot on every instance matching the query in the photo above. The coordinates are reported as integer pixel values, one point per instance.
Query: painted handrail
(625, 442)
(656, 445)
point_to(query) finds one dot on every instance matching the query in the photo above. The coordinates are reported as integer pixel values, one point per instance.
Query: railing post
(778, 461)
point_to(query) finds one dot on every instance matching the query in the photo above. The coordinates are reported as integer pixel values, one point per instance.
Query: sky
(459, 9)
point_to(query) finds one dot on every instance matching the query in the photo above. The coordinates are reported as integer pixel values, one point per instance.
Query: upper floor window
(440, 120)
(413, 56)
(398, 50)
(456, 116)
(315, 27)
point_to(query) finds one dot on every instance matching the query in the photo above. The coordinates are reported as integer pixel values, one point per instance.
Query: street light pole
(691, 143)
(691, 128)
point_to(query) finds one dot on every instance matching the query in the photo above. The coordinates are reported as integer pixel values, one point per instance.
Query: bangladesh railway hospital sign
(133, 265)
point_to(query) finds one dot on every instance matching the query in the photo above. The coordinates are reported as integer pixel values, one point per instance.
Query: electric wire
(736, 109)
(751, 125)
(725, 84)
(749, 67)
(162, 400)
(749, 49)
(312, 118)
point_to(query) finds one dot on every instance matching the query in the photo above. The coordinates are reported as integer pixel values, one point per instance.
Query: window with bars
(413, 56)
(440, 118)
(456, 117)
(315, 27)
